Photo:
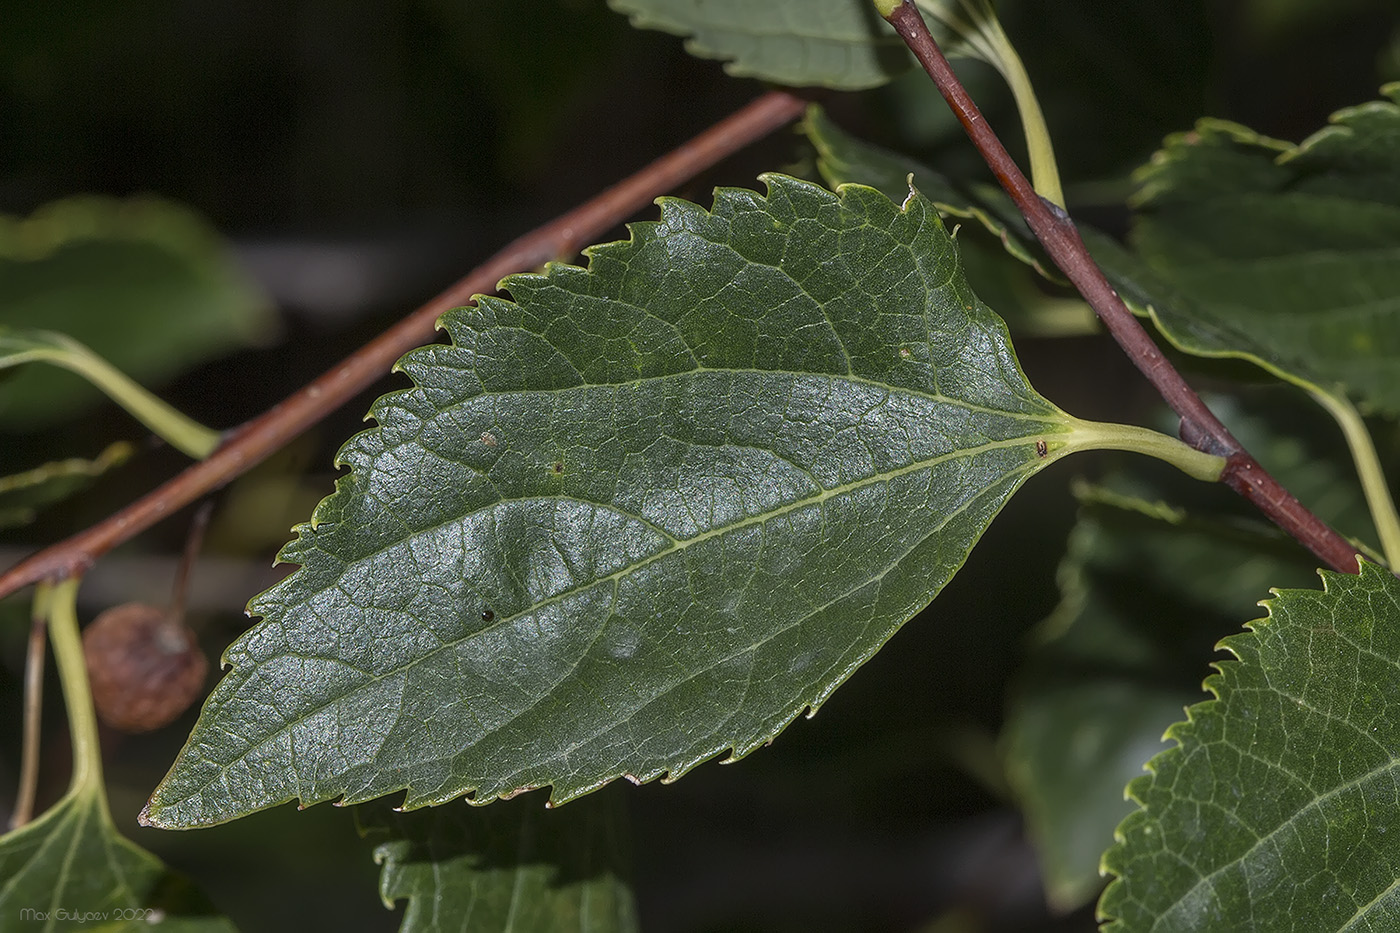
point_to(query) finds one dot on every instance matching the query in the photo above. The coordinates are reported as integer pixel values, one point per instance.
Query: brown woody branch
(1056, 232)
(254, 441)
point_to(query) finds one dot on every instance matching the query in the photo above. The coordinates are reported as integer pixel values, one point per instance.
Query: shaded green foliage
(1288, 256)
(144, 283)
(514, 866)
(1104, 677)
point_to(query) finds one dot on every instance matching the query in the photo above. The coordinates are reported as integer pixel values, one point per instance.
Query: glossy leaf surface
(1277, 808)
(644, 514)
(843, 159)
(1018, 293)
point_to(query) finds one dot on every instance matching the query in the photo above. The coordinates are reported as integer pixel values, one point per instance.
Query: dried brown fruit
(145, 666)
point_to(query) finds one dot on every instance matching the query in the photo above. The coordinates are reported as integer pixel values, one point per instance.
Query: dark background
(361, 155)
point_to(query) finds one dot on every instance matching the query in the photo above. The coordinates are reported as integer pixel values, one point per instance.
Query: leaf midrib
(1048, 419)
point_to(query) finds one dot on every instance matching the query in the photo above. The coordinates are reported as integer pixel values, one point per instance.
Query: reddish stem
(1053, 227)
(251, 443)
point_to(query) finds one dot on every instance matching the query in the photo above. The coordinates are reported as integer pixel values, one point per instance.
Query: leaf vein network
(1314, 804)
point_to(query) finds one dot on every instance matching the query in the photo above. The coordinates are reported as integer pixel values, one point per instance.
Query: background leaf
(22, 495)
(143, 282)
(647, 513)
(1275, 810)
(76, 871)
(1287, 256)
(835, 43)
(1104, 680)
(515, 866)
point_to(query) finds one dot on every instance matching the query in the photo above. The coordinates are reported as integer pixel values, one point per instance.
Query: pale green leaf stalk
(1095, 435)
(57, 603)
(181, 432)
(1368, 468)
(982, 33)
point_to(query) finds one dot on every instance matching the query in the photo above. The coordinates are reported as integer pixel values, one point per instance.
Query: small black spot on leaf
(487, 615)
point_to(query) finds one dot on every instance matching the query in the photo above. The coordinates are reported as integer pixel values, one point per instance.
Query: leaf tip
(155, 816)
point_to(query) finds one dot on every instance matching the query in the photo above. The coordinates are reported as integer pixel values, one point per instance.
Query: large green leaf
(71, 870)
(144, 283)
(1277, 809)
(647, 513)
(1288, 256)
(514, 867)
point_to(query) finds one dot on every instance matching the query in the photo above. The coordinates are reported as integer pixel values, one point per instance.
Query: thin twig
(33, 718)
(250, 444)
(1053, 227)
(194, 539)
